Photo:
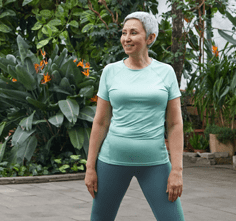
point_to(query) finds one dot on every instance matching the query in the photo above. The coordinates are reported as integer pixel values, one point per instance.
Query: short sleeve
(174, 90)
(103, 90)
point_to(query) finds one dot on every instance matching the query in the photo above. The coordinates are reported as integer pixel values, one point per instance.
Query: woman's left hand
(175, 185)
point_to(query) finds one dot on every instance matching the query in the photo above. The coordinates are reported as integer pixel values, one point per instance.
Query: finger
(170, 194)
(95, 186)
(92, 192)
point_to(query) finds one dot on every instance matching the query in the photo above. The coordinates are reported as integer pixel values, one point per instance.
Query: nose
(127, 37)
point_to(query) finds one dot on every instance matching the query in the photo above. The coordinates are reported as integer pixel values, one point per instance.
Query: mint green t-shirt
(138, 99)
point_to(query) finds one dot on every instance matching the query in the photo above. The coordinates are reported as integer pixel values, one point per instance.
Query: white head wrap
(149, 22)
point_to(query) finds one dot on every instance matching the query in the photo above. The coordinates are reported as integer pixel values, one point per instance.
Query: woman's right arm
(99, 131)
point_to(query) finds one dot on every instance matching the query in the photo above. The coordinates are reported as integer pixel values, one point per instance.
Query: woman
(133, 97)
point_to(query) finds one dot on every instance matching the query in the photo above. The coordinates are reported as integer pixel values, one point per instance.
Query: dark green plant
(223, 134)
(49, 105)
(198, 142)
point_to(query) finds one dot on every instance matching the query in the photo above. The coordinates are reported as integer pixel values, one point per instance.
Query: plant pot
(216, 146)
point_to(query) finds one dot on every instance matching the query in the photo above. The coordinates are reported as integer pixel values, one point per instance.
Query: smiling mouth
(128, 46)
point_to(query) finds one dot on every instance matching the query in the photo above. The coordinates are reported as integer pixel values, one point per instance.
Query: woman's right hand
(91, 181)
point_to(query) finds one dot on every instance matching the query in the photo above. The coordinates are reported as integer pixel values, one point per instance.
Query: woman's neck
(137, 62)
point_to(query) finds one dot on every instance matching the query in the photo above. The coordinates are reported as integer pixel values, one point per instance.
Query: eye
(134, 33)
(123, 33)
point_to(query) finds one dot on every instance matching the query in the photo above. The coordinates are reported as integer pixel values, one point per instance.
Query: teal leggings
(114, 180)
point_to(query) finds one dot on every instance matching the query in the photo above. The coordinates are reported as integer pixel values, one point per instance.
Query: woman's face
(133, 38)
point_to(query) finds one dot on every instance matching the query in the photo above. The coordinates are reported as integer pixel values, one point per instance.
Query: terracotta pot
(216, 146)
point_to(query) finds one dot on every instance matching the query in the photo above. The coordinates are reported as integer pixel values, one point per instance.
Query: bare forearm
(175, 140)
(97, 136)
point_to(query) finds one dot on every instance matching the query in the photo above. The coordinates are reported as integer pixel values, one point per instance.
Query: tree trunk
(177, 38)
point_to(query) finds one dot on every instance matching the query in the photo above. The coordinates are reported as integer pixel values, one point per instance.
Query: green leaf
(54, 53)
(61, 58)
(43, 43)
(49, 144)
(227, 37)
(46, 13)
(36, 103)
(3, 148)
(37, 26)
(26, 123)
(58, 161)
(77, 11)
(47, 30)
(70, 108)
(87, 113)
(2, 125)
(231, 18)
(55, 22)
(38, 122)
(4, 28)
(20, 136)
(25, 2)
(87, 132)
(26, 150)
(8, 12)
(9, 1)
(75, 157)
(87, 91)
(87, 27)
(15, 94)
(63, 168)
(83, 161)
(76, 135)
(26, 78)
(57, 120)
(74, 24)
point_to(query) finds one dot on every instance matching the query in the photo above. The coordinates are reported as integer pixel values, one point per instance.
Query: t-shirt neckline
(136, 69)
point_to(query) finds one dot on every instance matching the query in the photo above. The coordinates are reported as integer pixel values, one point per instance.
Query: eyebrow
(130, 29)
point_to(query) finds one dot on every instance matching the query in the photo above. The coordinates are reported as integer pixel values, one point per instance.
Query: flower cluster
(215, 50)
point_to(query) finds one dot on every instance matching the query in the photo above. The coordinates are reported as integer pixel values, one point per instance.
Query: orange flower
(86, 73)
(87, 65)
(187, 20)
(43, 53)
(94, 99)
(81, 64)
(46, 78)
(215, 50)
(45, 62)
(14, 80)
(41, 64)
(75, 60)
(36, 66)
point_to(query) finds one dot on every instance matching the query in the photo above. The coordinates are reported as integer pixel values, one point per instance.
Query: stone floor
(209, 195)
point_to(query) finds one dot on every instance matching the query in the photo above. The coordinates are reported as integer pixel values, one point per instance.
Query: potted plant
(221, 139)
(199, 143)
(188, 130)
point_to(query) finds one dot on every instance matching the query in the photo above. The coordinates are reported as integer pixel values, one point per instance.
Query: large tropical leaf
(87, 91)
(15, 94)
(20, 136)
(57, 120)
(87, 113)
(70, 108)
(76, 135)
(227, 37)
(26, 78)
(2, 148)
(37, 104)
(26, 123)
(87, 132)
(2, 125)
(26, 150)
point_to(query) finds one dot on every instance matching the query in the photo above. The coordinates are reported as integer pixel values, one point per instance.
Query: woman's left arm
(175, 139)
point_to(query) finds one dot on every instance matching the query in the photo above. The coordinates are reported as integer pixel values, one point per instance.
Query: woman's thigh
(153, 182)
(113, 182)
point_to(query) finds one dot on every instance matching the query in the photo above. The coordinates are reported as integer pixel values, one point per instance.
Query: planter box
(216, 146)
